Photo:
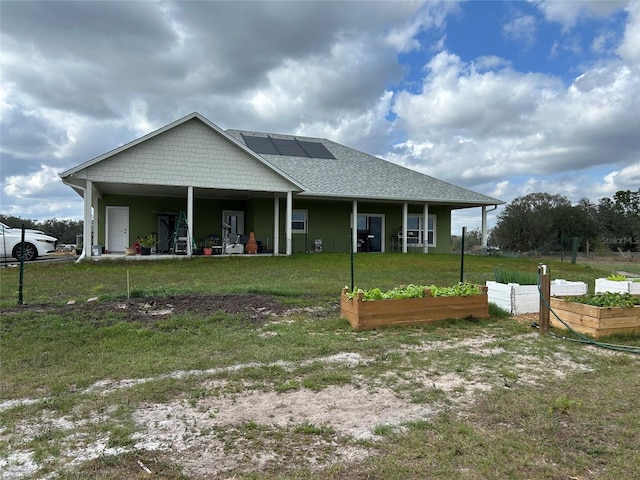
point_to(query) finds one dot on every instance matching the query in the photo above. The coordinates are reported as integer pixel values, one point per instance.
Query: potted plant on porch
(208, 247)
(146, 244)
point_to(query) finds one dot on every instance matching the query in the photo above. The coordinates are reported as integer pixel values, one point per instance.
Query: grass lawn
(241, 368)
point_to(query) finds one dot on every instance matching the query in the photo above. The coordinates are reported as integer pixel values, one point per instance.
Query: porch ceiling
(146, 190)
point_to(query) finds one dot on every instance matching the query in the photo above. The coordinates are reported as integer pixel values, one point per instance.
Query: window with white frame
(415, 230)
(299, 221)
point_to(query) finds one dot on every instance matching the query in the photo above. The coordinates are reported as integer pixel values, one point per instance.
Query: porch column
(484, 229)
(189, 221)
(95, 224)
(405, 215)
(354, 227)
(289, 216)
(87, 227)
(276, 225)
(425, 228)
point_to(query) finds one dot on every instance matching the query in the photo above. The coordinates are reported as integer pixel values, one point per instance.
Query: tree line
(542, 222)
(64, 230)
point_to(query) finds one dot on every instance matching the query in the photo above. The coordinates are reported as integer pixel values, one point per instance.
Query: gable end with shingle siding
(189, 154)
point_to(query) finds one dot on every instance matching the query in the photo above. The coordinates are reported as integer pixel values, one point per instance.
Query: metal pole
(21, 281)
(4, 249)
(464, 232)
(351, 249)
(545, 295)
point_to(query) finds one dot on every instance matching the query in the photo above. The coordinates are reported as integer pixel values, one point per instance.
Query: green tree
(627, 203)
(575, 221)
(472, 241)
(530, 222)
(619, 220)
(17, 222)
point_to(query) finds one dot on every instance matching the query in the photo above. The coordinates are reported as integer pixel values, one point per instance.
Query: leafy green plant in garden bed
(416, 291)
(615, 277)
(460, 290)
(502, 275)
(608, 299)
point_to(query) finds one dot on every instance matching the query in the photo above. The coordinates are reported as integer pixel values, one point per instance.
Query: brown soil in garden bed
(527, 318)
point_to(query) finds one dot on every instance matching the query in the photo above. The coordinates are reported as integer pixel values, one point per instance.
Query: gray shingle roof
(357, 175)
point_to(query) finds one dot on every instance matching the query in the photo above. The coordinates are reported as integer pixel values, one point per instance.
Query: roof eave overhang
(455, 204)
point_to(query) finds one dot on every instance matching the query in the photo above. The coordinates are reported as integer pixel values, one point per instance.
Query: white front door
(117, 226)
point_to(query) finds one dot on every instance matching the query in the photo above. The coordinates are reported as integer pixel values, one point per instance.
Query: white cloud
(316, 87)
(490, 62)
(627, 178)
(138, 118)
(431, 15)
(457, 96)
(517, 123)
(368, 130)
(500, 189)
(33, 185)
(522, 28)
(603, 41)
(629, 49)
(569, 13)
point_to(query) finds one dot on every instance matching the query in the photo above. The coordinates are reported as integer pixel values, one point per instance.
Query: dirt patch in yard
(256, 307)
(143, 309)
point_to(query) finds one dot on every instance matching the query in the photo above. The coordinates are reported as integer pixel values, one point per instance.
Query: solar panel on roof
(289, 148)
(286, 147)
(316, 150)
(260, 144)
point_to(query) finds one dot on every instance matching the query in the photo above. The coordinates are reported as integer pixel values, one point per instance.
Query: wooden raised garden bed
(366, 315)
(595, 321)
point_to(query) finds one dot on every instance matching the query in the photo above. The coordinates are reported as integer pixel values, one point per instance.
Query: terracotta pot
(207, 250)
(252, 245)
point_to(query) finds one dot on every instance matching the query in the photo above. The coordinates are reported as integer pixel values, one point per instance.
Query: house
(295, 193)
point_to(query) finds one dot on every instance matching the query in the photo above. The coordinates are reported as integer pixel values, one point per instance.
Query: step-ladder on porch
(180, 240)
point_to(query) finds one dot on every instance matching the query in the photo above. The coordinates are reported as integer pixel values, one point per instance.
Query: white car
(36, 243)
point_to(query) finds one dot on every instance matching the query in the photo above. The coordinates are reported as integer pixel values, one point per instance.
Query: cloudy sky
(503, 98)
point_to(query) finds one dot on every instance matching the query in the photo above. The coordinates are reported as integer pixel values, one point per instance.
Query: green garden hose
(583, 338)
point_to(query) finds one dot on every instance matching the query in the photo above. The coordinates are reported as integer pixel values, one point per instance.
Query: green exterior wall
(328, 220)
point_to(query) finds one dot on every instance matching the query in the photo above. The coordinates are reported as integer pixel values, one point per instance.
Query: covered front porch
(282, 222)
(115, 220)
